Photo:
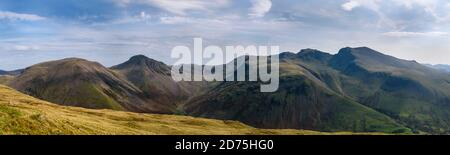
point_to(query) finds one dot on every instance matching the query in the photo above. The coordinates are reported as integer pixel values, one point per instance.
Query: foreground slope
(22, 114)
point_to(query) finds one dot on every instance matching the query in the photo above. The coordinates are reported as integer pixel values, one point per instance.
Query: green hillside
(358, 89)
(300, 103)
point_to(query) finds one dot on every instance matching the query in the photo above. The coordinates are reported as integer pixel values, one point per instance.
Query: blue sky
(111, 31)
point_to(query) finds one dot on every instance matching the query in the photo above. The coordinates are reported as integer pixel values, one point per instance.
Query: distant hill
(24, 115)
(440, 67)
(12, 73)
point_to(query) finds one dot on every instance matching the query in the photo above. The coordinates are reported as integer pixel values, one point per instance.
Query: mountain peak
(144, 59)
(370, 59)
(140, 60)
(363, 53)
(310, 51)
(313, 54)
(73, 59)
(287, 55)
(70, 61)
(67, 63)
(360, 51)
(139, 57)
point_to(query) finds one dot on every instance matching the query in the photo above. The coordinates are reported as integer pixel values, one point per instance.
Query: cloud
(179, 7)
(349, 6)
(431, 7)
(175, 20)
(144, 15)
(373, 5)
(403, 15)
(19, 47)
(411, 3)
(155, 26)
(415, 34)
(18, 16)
(260, 8)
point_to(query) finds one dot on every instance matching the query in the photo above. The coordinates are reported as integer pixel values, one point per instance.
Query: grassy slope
(5, 79)
(22, 114)
(405, 90)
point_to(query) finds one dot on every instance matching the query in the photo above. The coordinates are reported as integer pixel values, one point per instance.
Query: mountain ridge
(357, 89)
(400, 89)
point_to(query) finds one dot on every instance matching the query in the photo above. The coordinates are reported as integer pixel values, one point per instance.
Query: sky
(111, 31)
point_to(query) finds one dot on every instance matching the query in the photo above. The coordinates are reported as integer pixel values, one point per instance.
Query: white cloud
(260, 8)
(370, 4)
(423, 3)
(349, 6)
(18, 16)
(23, 47)
(425, 9)
(432, 7)
(144, 15)
(429, 6)
(175, 20)
(415, 34)
(179, 7)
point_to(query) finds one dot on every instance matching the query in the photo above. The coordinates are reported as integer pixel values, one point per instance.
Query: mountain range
(14, 72)
(357, 90)
(139, 85)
